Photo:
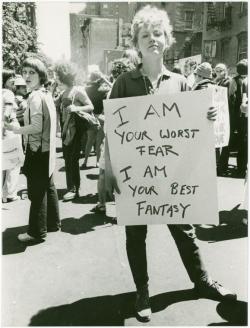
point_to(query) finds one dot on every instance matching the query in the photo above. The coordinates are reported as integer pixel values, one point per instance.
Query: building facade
(215, 30)
(225, 33)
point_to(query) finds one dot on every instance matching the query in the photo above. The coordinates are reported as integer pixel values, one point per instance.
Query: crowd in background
(80, 115)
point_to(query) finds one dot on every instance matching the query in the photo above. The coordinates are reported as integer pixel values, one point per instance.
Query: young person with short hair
(40, 133)
(152, 35)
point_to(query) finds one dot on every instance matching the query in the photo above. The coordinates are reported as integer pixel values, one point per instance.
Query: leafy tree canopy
(19, 36)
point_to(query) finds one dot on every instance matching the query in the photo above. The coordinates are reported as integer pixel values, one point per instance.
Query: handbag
(90, 120)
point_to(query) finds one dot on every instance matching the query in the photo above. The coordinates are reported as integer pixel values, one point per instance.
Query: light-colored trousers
(10, 182)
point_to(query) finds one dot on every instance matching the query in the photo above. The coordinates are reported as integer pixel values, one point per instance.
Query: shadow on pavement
(84, 224)
(235, 313)
(230, 227)
(10, 243)
(104, 310)
(92, 176)
(86, 199)
(87, 168)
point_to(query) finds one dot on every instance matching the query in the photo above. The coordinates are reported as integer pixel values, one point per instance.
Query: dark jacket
(206, 83)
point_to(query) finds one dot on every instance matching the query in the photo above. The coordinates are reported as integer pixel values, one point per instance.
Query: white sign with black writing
(162, 154)
(221, 125)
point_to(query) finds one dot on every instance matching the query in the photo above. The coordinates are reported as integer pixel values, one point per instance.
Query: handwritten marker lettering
(130, 136)
(154, 172)
(176, 188)
(143, 208)
(151, 111)
(159, 157)
(120, 115)
(163, 150)
(143, 190)
(184, 133)
(126, 173)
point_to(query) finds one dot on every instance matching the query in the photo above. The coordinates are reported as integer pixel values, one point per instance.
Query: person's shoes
(99, 208)
(84, 166)
(26, 238)
(70, 195)
(53, 229)
(142, 305)
(213, 290)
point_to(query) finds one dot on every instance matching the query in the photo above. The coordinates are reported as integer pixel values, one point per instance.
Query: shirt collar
(137, 73)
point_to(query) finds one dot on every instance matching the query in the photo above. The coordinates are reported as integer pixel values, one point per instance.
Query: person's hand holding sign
(212, 113)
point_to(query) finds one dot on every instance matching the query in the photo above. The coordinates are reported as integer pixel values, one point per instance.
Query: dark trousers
(185, 239)
(71, 154)
(44, 210)
(242, 145)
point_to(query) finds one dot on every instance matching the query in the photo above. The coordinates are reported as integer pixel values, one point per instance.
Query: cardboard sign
(12, 152)
(222, 124)
(162, 154)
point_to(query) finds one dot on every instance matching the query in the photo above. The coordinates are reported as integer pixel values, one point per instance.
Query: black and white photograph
(124, 163)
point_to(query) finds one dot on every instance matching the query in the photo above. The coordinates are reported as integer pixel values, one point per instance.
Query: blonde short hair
(151, 16)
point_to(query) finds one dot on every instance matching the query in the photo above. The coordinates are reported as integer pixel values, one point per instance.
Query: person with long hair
(152, 35)
(72, 102)
(40, 135)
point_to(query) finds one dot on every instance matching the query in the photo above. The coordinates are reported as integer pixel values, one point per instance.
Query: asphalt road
(80, 276)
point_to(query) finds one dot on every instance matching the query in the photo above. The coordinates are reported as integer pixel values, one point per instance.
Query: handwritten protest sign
(162, 153)
(12, 152)
(221, 125)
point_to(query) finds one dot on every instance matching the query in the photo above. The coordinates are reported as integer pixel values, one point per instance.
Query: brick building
(225, 33)
(216, 30)
(186, 18)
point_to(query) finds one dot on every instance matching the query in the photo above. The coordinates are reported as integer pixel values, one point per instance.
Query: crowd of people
(33, 105)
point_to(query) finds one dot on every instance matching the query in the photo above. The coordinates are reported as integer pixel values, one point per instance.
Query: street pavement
(80, 276)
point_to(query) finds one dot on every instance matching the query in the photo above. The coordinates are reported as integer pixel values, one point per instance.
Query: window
(105, 6)
(188, 19)
(242, 45)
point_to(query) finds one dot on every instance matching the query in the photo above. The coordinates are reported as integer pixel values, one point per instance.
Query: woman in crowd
(203, 76)
(222, 79)
(152, 35)
(72, 102)
(97, 89)
(40, 132)
(9, 176)
(8, 81)
(21, 101)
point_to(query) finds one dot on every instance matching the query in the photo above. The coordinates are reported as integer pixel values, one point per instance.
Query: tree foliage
(19, 38)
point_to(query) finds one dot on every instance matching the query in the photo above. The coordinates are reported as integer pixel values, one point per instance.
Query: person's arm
(110, 179)
(82, 102)
(36, 118)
